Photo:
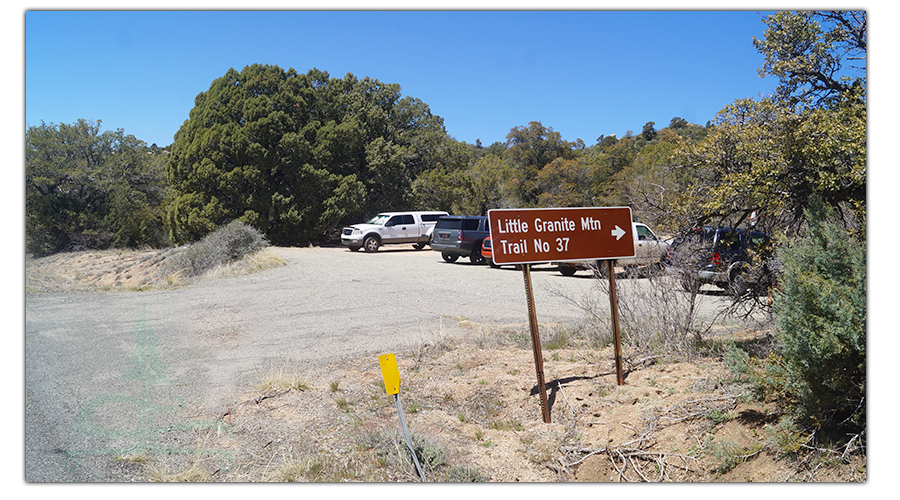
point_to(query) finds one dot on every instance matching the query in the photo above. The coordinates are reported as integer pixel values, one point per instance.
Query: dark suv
(730, 258)
(458, 236)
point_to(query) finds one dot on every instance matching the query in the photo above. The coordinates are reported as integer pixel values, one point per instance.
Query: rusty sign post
(536, 343)
(614, 306)
(534, 235)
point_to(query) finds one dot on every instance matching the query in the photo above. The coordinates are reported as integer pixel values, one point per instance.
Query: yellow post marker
(390, 372)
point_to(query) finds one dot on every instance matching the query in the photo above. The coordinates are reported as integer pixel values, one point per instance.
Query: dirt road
(104, 369)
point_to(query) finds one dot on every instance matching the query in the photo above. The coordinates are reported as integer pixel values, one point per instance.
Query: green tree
(649, 131)
(821, 316)
(491, 183)
(294, 155)
(819, 57)
(770, 156)
(87, 189)
(649, 185)
(566, 183)
(528, 150)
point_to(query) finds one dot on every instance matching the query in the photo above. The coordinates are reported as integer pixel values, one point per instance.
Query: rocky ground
(474, 411)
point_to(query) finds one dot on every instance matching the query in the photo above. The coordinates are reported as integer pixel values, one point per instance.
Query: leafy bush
(821, 318)
(226, 244)
(86, 189)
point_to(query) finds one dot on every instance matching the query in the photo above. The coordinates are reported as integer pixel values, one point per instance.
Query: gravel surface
(97, 364)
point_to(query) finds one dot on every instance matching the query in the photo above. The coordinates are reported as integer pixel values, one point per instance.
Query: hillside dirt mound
(97, 270)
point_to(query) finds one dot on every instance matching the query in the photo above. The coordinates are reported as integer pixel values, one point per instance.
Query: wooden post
(614, 306)
(536, 343)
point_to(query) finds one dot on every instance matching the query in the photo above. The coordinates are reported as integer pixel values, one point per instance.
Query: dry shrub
(656, 317)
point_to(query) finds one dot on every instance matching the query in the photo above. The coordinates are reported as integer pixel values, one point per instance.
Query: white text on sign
(520, 247)
(514, 226)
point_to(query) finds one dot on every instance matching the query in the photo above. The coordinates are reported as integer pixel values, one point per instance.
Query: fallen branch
(267, 396)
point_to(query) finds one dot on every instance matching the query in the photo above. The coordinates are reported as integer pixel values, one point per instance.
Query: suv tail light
(715, 259)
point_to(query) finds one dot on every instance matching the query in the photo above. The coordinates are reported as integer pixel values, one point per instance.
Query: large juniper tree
(296, 154)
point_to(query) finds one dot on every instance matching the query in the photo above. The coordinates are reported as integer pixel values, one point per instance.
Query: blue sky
(583, 73)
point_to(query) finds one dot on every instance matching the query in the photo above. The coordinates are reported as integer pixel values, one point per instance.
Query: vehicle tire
(449, 257)
(492, 263)
(354, 249)
(567, 270)
(475, 257)
(419, 246)
(737, 285)
(371, 243)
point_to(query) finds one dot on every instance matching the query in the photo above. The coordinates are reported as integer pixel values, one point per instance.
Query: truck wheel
(354, 249)
(476, 256)
(371, 244)
(449, 257)
(419, 246)
(567, 270)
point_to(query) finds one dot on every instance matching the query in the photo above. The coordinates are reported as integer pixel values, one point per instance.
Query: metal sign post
(537, 235)
(390, 371)
(614, 306)
(536, 343)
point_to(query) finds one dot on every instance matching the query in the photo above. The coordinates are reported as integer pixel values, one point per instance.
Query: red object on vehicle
(486, 250)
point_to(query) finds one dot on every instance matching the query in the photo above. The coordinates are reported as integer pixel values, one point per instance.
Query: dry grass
(475, 416)
(281, 376)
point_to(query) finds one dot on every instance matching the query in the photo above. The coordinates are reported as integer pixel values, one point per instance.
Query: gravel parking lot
(201, 345)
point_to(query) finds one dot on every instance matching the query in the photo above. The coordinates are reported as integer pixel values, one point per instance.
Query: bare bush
(656, 318)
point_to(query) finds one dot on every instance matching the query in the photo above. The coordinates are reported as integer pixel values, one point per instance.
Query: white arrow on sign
(618, 232)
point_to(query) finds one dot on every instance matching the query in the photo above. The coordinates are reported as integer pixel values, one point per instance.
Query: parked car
(733, 259)
(649, 249)
(487, 251)
(391, 228)
(458, 236)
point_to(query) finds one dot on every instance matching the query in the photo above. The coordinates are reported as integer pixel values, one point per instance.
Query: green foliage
(226, 244)
(528, 150)
(729, 454)
(297, 154)
(767, 376)
(763, 156)
(90, 190)
(391, 450)
(769, 156)
(566, 183)
(821, 318)
(818, 56)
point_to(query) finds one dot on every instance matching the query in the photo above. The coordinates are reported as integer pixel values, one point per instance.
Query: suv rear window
(729, 240)
(471, 224)
(449, 223)
(430, 217)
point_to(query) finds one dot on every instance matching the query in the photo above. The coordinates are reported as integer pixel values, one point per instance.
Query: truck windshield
(379, 219)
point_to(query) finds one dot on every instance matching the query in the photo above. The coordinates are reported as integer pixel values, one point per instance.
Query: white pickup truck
(391, 228)
(649, 249)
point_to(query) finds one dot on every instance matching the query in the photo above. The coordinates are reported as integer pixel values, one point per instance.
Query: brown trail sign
(532, 235)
